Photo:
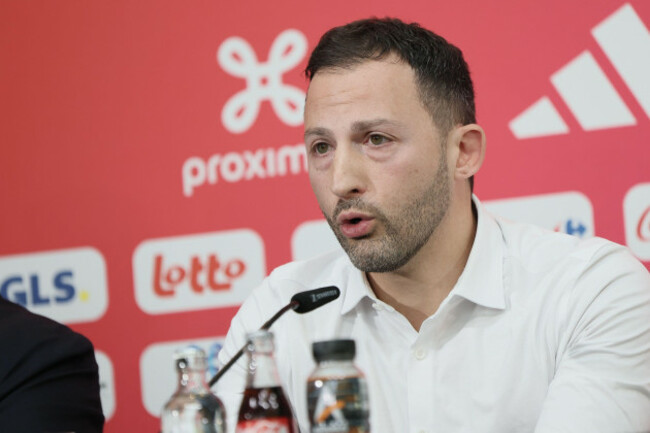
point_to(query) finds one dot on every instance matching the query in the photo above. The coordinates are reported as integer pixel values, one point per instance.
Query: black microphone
(312, 299)
(302, 302)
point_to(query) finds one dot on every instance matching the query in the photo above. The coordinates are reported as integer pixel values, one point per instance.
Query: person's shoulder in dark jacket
(48, 376)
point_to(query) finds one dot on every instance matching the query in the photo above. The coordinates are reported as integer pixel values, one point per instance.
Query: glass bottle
(192, 408)
(337, 394)
(264, 407)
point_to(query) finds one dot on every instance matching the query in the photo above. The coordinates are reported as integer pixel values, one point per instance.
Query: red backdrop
(114, 137)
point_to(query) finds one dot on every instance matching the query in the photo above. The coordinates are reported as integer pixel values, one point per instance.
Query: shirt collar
(481, 282)
(357, 288)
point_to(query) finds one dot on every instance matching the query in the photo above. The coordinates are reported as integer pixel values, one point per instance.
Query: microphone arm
(290, 306)
(302, 302)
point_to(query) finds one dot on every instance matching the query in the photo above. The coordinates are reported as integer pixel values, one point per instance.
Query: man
(48, 376)
(463, 322)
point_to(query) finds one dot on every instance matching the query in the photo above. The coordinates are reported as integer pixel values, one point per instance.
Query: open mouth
(355, 225)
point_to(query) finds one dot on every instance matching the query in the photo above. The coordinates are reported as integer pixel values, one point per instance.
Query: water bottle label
(338, 405)
(266, 425)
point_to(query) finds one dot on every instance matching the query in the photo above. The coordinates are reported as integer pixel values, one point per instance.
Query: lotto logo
(585, 88)
(263, 80)
(217, 275)
(636, 212)
(158, 372)
(68, 286)
(198, 271)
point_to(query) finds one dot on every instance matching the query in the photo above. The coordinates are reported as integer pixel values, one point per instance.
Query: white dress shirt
(543, 332)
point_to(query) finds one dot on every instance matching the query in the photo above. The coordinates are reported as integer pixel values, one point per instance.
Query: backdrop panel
(152, 169)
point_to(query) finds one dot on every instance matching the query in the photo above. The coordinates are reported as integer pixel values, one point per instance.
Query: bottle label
(338, 405)
(264, 425)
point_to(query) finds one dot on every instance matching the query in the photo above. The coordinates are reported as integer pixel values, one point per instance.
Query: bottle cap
(334, 350)
(190, 357)
(260, 341)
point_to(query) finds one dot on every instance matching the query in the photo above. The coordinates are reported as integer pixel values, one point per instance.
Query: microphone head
(312, 299)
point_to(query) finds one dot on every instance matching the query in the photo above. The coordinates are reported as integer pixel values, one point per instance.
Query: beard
(405, 232)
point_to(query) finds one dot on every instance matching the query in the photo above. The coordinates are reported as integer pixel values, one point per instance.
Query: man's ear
(470, 150)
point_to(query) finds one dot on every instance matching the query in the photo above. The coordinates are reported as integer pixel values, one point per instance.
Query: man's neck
(417, 289)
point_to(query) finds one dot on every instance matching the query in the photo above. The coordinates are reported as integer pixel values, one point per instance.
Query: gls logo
(585, 88)
(66, 285)
(198, 271)
(15, 290)
(263, 80)
(636, 212)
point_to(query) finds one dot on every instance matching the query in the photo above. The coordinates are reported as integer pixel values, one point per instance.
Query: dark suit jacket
(48, 376)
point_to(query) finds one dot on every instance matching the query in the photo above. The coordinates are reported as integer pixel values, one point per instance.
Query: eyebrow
(357, 127)
(365, 125)
(317, 131)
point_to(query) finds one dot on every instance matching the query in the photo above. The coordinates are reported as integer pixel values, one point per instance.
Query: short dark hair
(442, 76)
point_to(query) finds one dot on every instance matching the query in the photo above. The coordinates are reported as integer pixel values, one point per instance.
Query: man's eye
(321, 148)
(377, 139)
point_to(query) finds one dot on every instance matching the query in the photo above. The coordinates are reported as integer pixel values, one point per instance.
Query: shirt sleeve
(602, 377)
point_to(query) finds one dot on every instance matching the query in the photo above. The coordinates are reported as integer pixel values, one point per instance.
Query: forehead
(387, 87)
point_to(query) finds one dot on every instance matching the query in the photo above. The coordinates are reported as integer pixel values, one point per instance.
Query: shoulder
(574, 273)
(46, 368)
(330, 269)
(541, 250)
(25, 332)
(312, 271)
(30, 344)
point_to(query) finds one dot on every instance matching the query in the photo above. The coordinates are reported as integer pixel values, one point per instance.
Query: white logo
(328, 406)
(106, 384)
(636, 211)
(236, 167)
(585, 88)
(196, 272)
(263, 80)
(567, 212)
(311, 239)
(68, 286)
(158, 372)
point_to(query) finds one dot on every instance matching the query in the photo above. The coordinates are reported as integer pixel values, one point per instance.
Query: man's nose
(348, 172)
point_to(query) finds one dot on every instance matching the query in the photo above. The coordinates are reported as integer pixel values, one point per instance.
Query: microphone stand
(290, 306)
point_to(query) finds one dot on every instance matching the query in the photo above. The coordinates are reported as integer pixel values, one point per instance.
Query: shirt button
(420, 353)
(377, 306)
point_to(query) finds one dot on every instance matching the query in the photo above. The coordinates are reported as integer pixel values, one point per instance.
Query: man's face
(376, 162)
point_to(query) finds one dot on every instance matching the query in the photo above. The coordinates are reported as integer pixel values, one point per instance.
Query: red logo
(643, 228)
(210, 272)
(264, 425)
